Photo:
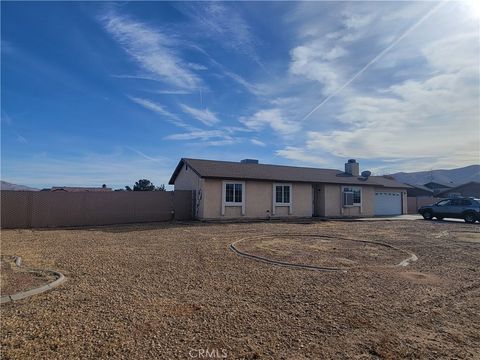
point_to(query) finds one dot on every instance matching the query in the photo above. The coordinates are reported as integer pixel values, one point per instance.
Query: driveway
(397, 217)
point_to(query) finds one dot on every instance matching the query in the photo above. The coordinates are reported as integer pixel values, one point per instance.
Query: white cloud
(301, 155)
(145, 156)
(429, 122)
(258, 142)
(234, 129)
(225, 24)
(283, 101)
(273, 118)
(198, 67)
(137, 77)
(172, 92)
(204, 115)
(153, 50)
(255, 89)
(223, 142)
(355, 21)
(199, 135)
(315, 61)
(454, 53)
(22, 139)
(159, 109)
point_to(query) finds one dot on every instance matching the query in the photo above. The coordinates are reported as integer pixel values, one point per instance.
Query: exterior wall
(258, 197)
(302, 199)
(212, 200)
(36, 209)
(329, 201)
(189, 180)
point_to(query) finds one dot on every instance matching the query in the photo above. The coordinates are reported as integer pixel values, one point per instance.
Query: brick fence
(36, 209)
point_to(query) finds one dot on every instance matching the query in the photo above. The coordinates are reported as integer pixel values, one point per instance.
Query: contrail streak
(376, 58)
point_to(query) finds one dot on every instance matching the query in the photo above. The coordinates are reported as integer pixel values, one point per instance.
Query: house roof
(436, 185)
(237, 170)
(473, 183)
(421, 187)
(80, 189)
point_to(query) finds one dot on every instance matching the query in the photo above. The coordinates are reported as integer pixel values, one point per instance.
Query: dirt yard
(174, 291)
(15, 279)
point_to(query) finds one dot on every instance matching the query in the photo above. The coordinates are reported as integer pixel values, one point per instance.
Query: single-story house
(470, 189)
(247, 189)
(419, 191)
(437, 187)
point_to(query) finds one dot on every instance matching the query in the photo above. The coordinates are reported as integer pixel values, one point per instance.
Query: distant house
(80, 189)
(436, 187)
(470, 189)
(419, 191)
(247, 189)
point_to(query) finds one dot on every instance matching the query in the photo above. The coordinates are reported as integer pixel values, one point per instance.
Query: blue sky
(101, 92)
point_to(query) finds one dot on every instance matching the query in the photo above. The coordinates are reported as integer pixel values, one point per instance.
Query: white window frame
(274, 198)
(232, 203)
(354, 204)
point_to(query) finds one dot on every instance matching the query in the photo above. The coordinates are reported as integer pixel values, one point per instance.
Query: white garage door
(388, 203)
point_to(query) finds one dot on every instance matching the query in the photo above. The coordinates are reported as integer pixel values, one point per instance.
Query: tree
(143, 185)
(128, 188)
(161, 188)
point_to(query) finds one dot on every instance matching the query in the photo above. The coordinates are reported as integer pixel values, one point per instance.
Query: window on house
(352, 196)
(233, 193)
(282, 194)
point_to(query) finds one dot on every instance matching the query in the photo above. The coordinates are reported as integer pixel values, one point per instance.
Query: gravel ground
(167, 291)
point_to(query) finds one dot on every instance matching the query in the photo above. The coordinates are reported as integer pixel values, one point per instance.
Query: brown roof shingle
(237, 170)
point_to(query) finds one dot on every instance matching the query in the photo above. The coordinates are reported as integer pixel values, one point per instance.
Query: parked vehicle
(459, 208)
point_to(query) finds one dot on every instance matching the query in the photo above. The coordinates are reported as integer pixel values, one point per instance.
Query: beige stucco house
(247, 189)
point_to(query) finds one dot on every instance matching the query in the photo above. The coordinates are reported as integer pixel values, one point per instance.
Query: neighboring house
(248, 189)
(436, 187)
(419, 195)
(419, 191)
(470, 189)
(79, 189)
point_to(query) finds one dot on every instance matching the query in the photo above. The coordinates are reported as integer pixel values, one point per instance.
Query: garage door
(388, 203)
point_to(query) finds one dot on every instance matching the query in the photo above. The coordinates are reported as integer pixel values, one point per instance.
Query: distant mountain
(9, 186)
(453, 176)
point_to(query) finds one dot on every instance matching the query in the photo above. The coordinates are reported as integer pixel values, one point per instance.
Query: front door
(318, 200)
